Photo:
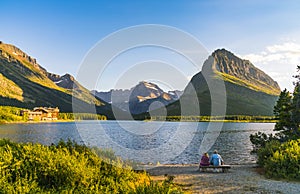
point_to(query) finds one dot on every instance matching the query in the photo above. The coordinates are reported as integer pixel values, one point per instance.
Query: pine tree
(296, 107)
(287, 112)
(283, 112)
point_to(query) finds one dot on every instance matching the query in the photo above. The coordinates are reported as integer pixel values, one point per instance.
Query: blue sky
(59, 34)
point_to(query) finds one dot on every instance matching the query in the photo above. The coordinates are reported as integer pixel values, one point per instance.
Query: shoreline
(245, 178)
(54, 121)
(36, 122)
(65, 121)
(219, 120)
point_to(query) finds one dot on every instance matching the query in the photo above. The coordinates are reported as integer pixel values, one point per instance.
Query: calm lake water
(148, 142)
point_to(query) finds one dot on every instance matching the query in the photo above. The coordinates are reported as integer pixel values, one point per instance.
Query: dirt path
(239, 179)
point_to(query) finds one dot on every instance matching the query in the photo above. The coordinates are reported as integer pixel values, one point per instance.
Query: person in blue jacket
(216, 159)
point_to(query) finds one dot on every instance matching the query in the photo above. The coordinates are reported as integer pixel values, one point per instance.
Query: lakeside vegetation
(70, 168)
(81, 116)
(9, 114)
(279, 154)
(227, 118)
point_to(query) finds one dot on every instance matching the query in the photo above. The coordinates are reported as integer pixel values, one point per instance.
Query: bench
(224, 168)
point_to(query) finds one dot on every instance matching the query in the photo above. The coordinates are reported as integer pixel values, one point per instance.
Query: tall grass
(69, 168)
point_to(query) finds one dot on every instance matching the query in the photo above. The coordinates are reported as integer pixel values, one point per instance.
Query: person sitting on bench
(204, 160)
(216, 159)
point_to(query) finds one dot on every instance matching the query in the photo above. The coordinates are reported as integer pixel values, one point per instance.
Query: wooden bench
(224, 168)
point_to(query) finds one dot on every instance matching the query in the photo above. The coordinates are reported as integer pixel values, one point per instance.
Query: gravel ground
(239, 179)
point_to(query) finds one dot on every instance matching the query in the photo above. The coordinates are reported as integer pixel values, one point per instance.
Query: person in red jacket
(204, 160)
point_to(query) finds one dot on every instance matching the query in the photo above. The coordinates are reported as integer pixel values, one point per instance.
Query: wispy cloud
(279, 61)
(288, 52)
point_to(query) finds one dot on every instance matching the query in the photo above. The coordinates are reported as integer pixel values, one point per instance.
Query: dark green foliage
(296, 108)
(81, 116)
(66, 116)
(283, 111)
(279, 154)
(68, 168)
(286, 113)
(283, 161)
(228, 118)
(267, 151)
(259, 140)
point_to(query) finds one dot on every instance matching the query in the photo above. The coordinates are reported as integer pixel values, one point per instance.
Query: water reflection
(44, 133)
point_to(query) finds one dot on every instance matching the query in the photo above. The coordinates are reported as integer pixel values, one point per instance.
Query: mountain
(118, 97)
(146, 96)
(24, 83)
(140, 98)
(249, 91)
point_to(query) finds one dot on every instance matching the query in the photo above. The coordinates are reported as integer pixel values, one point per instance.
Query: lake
(148, 142)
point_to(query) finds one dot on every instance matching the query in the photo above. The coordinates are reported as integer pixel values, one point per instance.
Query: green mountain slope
(249, 91)
(24, 83)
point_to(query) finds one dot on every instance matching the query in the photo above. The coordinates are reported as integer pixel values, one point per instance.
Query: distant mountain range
(139, 98)
(249, 91)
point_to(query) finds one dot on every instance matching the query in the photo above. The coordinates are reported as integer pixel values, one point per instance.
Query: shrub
(10, 114)
(264, 153)
(157, 187)
(285, 161)
(68, 168)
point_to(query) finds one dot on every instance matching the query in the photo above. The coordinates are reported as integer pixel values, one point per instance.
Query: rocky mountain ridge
(66, 81)
(26, 84)
(138, 99)
(14, 54)
(248, 90)
(227, 64)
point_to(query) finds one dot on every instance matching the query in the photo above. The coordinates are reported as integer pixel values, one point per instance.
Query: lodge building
(42, 114)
